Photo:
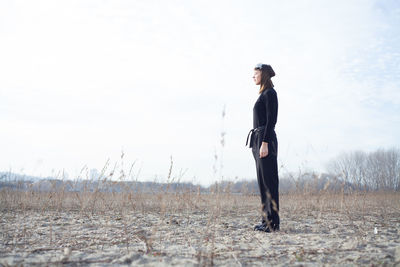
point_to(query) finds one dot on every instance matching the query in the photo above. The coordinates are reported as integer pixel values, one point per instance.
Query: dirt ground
(205, 230)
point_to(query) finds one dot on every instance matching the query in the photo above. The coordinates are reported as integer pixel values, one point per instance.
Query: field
(194, 229)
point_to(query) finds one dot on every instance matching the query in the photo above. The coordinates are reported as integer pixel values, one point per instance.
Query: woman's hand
(264, 149)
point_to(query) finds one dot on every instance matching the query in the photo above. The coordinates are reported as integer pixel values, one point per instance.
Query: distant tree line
(356, 170)
(377, 170)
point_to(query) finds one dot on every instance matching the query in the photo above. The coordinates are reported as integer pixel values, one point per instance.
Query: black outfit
(265, 114)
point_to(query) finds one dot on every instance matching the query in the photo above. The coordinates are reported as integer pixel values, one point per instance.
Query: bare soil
(192, 230)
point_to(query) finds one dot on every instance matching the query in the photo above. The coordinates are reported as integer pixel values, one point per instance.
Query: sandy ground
(314, 231)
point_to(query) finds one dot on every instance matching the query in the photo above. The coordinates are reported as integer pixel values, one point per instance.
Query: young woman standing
(264, 146)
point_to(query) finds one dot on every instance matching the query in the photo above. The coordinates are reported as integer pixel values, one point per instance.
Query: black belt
(254, 130)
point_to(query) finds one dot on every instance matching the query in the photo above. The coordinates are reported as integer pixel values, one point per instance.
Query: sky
(134, 85)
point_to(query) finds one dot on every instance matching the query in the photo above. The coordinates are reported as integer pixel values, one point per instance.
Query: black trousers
(267, 177)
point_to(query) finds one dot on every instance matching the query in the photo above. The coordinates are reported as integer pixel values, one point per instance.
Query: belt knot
(252, 131)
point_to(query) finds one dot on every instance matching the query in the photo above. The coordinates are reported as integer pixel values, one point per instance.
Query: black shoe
(264, 228)
(261, 225)
(258, 226)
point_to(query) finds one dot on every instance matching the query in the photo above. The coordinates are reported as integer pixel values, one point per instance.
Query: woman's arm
(271, 109)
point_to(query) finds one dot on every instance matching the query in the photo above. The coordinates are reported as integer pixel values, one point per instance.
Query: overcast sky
(82, 81)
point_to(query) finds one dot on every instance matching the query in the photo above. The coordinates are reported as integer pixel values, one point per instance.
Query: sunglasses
(259, 66)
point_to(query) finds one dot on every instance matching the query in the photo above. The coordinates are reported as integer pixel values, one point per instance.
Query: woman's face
(257, 77)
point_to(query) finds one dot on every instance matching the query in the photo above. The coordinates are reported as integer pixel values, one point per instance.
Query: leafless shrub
(377, 170)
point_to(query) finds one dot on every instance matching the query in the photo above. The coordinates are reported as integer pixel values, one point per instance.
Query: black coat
(265, 112)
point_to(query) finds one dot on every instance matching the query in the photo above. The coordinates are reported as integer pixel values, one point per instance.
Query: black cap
(267, 68)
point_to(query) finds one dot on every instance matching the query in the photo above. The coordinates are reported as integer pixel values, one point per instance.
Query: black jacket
(265, 112)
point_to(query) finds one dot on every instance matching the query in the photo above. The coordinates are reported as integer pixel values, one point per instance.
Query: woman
(264, 146)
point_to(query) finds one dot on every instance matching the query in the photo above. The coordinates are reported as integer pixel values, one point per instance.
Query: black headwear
(267, 68)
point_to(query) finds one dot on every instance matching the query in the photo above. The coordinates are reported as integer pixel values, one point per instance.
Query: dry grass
(188, 228)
